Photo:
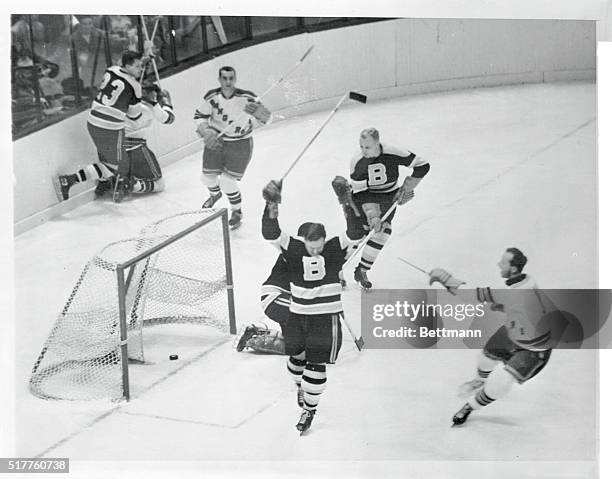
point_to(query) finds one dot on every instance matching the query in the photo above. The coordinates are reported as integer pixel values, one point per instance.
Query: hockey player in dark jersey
(517, 351)
(118, 97)
(374, 182)
(313, 333)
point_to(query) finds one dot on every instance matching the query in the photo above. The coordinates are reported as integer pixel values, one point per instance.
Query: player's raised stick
(270, 88)
(351, 95)
(150, 42)
(370, 234)
(413, 265)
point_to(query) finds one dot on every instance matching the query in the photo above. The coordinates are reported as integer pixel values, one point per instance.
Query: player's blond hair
(370, 133)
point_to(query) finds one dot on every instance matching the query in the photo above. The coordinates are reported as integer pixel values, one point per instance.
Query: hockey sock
(314, 381)
(498, 384)
(229, 186)
(373, 247)
(211, 181)
(148, 186)
(295, 366)
(95, 171)
(485, 365)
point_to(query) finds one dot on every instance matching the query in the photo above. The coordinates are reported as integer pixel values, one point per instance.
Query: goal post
(177, 270)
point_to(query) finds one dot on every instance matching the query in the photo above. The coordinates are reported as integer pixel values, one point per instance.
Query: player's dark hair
(519, 260)
(370, 133)
(227, 69)
(128, 57)
(312, 231)
(303, 229)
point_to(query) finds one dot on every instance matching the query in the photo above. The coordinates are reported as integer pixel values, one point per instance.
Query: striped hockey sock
(95, 171)
(314, 381)
(373, 247)
(214, 190)
(497, 385)
(295, 366)
(144, 186)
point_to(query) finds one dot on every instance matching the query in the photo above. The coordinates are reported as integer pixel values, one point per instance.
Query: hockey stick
(148, 39)
(370, 234)
(351, 95)
(358, 341)
(413, 265)
(274, 85)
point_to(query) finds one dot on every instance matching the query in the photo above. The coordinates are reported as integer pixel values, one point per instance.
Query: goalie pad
(209, 135)
(372, 213)
(267, 342)
(272, 192)
(259, 111)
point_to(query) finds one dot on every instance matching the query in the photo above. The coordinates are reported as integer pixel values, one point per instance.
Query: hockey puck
(173, 357)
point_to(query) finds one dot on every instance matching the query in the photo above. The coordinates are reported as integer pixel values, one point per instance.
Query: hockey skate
(212, 199)
(461, 416)
(305, 421)
(248, 333)
(300, 396)
(63, 185)
(123, 188)
(470, 387)
(235, 220)
(103, 186)
(361, 276)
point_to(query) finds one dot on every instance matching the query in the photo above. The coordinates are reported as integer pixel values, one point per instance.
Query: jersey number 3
(109, 92)
(377, 174)
(314, 268)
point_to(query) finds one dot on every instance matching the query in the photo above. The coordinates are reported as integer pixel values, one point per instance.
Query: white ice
(511, 166)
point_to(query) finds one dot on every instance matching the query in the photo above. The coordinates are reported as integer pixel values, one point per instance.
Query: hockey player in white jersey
(145, 172)
(225, 120)
(517, 351)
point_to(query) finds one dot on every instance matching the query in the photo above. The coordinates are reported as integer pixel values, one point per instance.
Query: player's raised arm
(270, 228)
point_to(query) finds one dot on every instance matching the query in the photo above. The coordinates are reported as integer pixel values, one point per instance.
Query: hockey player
(375, 188)
(235, 113)
(313, 333)
(118, 96)
(519, 350)
(144, 170)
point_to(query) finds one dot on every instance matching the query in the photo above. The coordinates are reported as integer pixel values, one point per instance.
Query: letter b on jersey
(314, 268)
(377, 174)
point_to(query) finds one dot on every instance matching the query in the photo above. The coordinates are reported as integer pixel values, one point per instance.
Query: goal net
(177, 270)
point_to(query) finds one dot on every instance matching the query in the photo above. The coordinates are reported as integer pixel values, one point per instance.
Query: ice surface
(511, 166)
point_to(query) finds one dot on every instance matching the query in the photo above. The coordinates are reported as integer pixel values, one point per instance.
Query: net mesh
(183, 282)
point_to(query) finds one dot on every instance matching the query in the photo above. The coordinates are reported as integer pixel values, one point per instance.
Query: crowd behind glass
(57, 61)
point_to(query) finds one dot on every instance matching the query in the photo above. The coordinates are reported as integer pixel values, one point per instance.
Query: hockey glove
(209, 135)
(403, 196)
(342, 189)
(446, 279)
(272, 192)
(260, 112)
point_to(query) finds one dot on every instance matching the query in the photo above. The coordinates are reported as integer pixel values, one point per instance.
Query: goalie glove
(342, 189)
(272, 192)
(209, 135)
(260, 112)
(163, 96)
(445, 279)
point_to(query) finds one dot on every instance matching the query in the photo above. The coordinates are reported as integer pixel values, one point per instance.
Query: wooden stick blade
(358, 97)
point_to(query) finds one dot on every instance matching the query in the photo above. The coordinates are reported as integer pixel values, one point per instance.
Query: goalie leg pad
(267, 342)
